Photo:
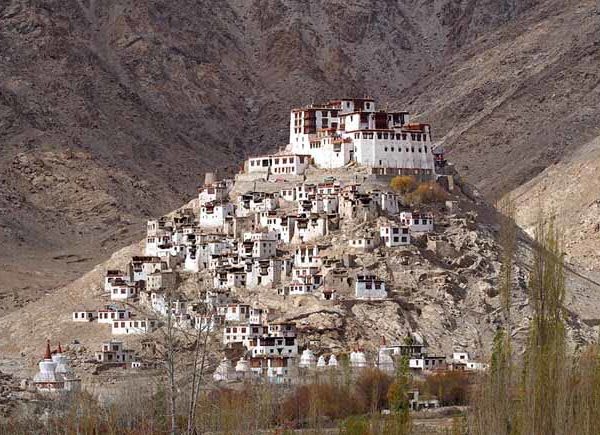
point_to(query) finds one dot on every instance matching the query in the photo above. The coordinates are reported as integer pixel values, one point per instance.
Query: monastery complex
(268, 235)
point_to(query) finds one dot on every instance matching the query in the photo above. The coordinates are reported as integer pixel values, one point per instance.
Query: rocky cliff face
(520, 98)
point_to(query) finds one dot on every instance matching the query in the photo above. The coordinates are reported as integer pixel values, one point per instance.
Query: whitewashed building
(113, 352)
(417, 222)
(84, 316)
(256, 202)
(128, 327)
(340, 131)
(214, 214)
(278, 164)
(121, 291)
(307, 256)
(111, 313)
(394, 235)
(369, 287)
(310, 228)
(364, 243)
(213, 192)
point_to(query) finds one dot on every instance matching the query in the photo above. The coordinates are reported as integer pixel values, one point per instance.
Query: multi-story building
(341, 131)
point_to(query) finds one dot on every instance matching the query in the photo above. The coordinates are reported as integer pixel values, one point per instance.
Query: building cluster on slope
(277, 241)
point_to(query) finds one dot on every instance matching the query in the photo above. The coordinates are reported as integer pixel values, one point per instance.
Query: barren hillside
(520, 98)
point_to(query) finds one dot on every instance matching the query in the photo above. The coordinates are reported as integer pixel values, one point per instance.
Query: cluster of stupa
(225, 370)
(358, 360)
(309, 361)
(54, 373)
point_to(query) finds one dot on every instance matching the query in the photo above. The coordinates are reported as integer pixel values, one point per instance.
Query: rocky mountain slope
(110, 111)
(520, 98)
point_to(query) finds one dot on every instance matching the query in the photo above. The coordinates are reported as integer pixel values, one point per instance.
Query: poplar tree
(545, 375)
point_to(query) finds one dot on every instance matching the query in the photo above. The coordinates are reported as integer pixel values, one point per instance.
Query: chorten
(47, 379)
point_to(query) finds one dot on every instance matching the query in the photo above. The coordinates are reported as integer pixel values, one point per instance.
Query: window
(378, 135)
(385, 135)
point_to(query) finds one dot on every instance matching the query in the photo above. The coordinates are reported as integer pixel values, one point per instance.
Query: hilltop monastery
(273, 238)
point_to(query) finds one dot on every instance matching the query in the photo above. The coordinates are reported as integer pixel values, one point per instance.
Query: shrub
(403, 183)
(451, 388)
(371, 389)
(428, 193)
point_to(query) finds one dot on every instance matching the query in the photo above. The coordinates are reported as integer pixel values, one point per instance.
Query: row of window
(395, 239)
(370, 286)
(397, 136)
(276, 161)
(135, 324)
(286, 170)
(411, 149)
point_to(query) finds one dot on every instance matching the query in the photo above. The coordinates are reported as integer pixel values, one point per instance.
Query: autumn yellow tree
(403, 183)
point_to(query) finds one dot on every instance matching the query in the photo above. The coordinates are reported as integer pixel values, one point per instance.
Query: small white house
(84, 316)
(235, 312)
(461, 361)
(212, 192)
(307, 256)
(128, 327)
(288, 194)
(163, 280)
(259, 245)
(214, 214)
(281, 225)
(428, 362)
(366, 243)
(307, 229)
(123, 291)
(394, 235)
(417, 222)
(109, 314)
(113, 352)
(369, 287)
(278, 164)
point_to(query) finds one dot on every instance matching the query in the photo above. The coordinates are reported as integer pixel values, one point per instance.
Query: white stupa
(307, 359)
(72, 383)
(333, 362)
(242, 368)
(385, 362)
(47, 379)
(358, 359)
(321, 363)
(224, 371)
